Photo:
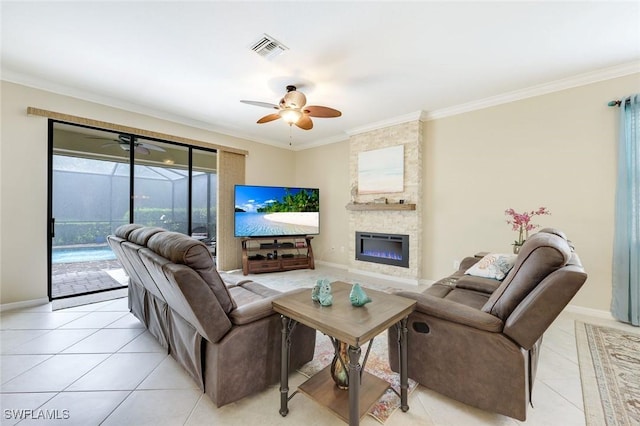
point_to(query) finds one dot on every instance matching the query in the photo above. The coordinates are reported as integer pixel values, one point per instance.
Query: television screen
(265, 211)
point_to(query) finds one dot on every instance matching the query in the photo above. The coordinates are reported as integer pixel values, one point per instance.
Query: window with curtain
(625, 304)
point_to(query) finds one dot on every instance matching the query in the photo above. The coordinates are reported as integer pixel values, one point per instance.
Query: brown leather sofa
(224, 334)
(477, 339)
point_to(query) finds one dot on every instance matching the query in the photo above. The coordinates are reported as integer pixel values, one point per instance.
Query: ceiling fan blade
(151, 147)
(142, 150)
(322, 111)
(268, 118)
(305, 123)
(260, 104)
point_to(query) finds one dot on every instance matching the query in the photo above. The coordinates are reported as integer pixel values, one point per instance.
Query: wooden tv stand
(274, 254)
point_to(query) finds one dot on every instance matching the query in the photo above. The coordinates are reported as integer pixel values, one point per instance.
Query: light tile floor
(96, 364)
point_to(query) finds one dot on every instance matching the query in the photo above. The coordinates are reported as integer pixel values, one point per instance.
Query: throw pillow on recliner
(493, 265)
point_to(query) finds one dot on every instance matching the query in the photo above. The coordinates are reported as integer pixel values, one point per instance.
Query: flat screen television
(276, 211)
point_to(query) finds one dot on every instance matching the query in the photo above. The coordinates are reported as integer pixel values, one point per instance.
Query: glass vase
(522, 236)
(339, 366)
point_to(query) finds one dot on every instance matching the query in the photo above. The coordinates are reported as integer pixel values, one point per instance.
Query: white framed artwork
(381, 170)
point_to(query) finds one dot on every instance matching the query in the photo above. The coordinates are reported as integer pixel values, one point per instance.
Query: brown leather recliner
(224, 334)
(477, 340)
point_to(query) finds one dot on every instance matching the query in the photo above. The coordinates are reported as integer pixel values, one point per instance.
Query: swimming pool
(81, 254)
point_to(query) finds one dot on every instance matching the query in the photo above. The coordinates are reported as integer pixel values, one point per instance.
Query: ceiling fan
(124, 141)
(292, 110)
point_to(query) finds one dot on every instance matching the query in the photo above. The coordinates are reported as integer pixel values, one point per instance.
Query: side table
(354, 326)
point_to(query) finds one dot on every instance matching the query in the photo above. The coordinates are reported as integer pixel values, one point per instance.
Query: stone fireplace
(388, 249)
(366, 216)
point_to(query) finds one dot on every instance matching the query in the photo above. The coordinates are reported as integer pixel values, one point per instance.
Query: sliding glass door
(204, 192)
(161, 188)
(88, 199)
(100, 180)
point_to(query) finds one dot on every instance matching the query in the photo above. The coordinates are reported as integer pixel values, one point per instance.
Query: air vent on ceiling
(268, 47)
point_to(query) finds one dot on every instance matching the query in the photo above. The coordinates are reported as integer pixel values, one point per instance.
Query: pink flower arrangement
(521, 222)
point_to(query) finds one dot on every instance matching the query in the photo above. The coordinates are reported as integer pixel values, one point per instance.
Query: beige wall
(23, 177)
(267, 165)
(556, 150)
(327, 168)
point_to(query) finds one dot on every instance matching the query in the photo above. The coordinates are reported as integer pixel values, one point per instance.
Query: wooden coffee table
(354, 326)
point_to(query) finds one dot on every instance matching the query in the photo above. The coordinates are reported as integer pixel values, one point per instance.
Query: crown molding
(540, 89)
(72, 92)
(320, 142)
(418, 115)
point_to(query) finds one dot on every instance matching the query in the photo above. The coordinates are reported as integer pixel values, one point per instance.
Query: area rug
(610, 374)
(377, 364)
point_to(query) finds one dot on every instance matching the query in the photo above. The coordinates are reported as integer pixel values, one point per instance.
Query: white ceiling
(376, 62)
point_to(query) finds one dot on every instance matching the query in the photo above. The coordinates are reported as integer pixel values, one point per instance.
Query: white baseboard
(331, 264)
(25, 304)
(67, 302)
(231, 271)
(410, 281)
(589, 312)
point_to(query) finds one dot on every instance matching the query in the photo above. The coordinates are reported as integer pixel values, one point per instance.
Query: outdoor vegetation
(77, 232)
(303, 201)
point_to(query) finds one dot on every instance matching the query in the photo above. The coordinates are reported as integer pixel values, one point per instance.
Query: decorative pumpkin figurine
(357, 296)
(324, 294)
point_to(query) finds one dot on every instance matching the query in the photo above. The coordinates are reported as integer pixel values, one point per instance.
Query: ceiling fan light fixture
(293, 99)
(293, 110)
(290, 115)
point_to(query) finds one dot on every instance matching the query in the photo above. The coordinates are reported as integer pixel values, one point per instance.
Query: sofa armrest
(483, 285)
(259, 309)
(468, 262)
(252, 311)
(454, 312)
(232, 280)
